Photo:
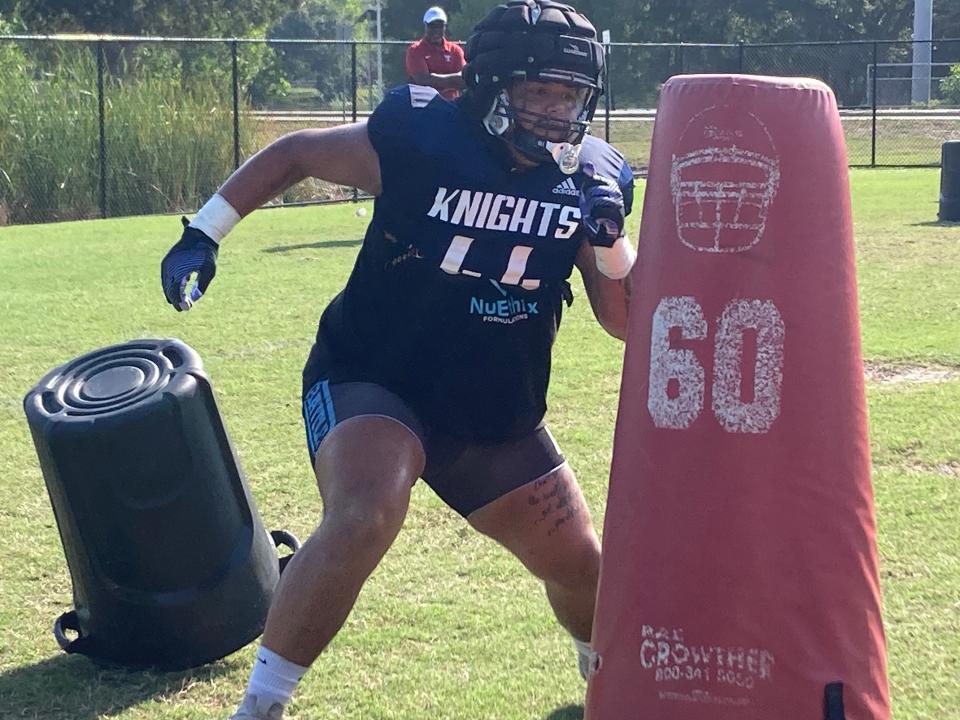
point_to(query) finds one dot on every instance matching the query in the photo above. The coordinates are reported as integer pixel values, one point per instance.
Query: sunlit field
(449, 627)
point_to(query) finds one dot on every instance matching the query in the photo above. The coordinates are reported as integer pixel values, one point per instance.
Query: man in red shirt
(435, 61)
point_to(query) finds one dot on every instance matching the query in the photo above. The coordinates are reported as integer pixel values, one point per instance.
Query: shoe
(584, 655)
(253, 709)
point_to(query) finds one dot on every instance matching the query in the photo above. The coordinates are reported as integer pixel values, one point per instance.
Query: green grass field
(449, 627)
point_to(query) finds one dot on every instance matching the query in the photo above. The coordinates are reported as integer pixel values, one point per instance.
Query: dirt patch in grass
(879, 373)
(949, 469)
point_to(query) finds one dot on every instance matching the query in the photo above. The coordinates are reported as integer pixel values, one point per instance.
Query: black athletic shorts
(465, 475)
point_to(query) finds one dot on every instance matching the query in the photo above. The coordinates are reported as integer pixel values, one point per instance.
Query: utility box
(170, 562)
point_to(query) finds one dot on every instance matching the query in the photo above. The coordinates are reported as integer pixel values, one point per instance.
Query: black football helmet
(538, 40)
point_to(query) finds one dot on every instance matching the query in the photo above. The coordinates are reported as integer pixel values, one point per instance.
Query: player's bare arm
(609, 299)
(341, 155)
(439, 81)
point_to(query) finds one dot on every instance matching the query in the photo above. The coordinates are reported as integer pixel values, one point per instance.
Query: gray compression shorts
(465, 475)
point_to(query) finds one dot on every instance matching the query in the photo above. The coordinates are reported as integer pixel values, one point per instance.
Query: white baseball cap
(433, 14)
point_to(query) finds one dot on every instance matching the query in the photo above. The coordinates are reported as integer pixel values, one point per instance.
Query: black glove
(601, 208)
(194, 253)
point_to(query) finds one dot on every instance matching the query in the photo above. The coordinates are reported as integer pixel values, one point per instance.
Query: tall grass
(168, 144)
(48, 140)
(168, 147)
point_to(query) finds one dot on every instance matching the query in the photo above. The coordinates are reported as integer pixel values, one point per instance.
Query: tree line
(748, 21)
(323, 75)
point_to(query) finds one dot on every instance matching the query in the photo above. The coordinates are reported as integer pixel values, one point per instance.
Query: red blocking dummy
(739, 575)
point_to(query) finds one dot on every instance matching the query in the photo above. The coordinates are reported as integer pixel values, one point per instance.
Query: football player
(433, 361)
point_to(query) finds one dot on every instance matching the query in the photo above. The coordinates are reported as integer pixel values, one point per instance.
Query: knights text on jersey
(456, 294)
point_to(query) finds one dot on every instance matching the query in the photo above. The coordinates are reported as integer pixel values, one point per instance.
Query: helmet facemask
(542, 136)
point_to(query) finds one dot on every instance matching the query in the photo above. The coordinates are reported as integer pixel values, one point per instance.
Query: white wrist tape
(615, 262)
(216, 218)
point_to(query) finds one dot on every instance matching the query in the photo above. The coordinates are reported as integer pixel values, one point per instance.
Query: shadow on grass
(323, 245)
(938, 223)
(72, 687)
(570, 712)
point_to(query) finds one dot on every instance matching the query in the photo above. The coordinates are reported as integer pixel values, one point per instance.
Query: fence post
(353, 92)
(353, 81)
(607, 95)
(873, 128)
(101, 63)
(740, 57)
(236, 104)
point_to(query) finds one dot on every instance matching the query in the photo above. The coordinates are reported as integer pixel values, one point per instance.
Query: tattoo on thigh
(556, 501)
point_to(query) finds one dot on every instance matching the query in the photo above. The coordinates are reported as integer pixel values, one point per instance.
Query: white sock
(583, 647)
(274, 678)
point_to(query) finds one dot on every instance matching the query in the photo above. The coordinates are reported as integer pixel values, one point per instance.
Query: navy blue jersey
(456, 294)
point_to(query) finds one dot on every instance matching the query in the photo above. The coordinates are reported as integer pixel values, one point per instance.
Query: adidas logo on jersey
(567, 187)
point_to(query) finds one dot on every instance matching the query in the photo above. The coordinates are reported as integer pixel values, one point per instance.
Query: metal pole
(353, 81)
(379, 55)
(873, 127)
(353, 91)
(922, 50)
(101, 64)
(236, 106)
(606, 85)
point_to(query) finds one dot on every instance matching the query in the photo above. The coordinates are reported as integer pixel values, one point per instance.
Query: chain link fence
(108, 127)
